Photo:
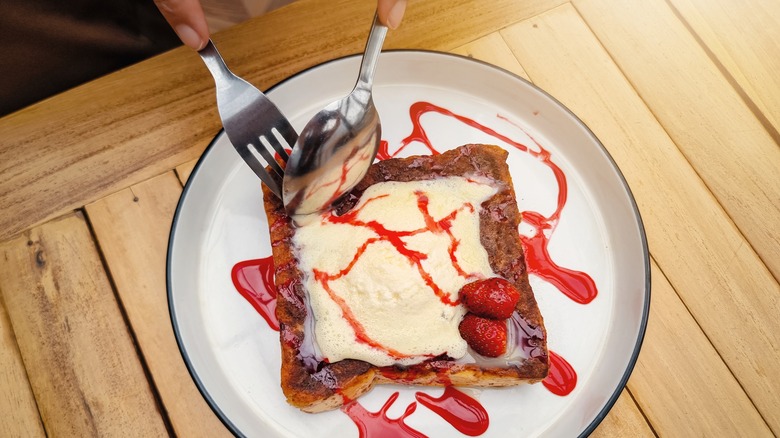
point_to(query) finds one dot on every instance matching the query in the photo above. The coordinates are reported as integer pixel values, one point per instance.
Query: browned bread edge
(328, 386)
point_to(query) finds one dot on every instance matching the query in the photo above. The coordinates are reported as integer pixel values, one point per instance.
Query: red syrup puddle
(377, 424)
(562, 378)
(254, 281)
(574, 284)
(459, 409)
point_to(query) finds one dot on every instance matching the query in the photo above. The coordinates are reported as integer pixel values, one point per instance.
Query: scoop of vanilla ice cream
(389, 279)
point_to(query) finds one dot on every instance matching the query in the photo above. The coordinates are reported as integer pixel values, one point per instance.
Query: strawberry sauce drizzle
(357, 327)
(395, 238)
(254, 280)
(383, 153)
(562, 378)
(576, 285)
(444, 225)
(378, 425)
(459, 409)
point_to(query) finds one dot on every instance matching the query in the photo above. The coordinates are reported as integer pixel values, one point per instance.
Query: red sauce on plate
(459, 409)
(562, 378)
(378, 424)
(254, 281)
(574, 284)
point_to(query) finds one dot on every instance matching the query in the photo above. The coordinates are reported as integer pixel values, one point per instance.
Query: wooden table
(684, 94)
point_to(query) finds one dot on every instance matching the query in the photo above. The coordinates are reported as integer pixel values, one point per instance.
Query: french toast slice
(315, 386)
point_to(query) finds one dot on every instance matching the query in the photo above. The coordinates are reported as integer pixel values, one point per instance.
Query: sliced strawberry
(484, 335)
(492, 298)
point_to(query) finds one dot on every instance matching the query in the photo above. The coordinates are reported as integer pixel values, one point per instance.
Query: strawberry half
(484, 335)
(491, 298)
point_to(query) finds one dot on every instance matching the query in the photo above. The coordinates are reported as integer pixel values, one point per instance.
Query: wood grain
(79, 355)
(750, 57)
(132, 228)
(97, 138)
(671, 377)
(683, 93)
(184, 171)
(624, 420)
(714, 270)
(146, 119)
(473, 19)
(707, 119)
(17, 403)
(493, 50)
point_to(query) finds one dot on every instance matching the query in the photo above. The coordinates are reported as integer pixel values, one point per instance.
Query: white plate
(232, 354)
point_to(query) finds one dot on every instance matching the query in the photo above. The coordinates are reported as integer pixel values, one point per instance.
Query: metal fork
(252, 122)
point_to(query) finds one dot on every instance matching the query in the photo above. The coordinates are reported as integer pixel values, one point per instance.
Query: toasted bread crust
(316, 387)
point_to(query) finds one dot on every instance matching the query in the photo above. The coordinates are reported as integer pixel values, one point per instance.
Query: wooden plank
(705, 116)
(455, 29)
(713, 269)
(20, 413)
(305, 47)
(493, 50)
(184, 171)
(752, 58)
(83, 367)
(97, 138)
(132, 228)
(624, 420)
(683, 386)
(148, 118)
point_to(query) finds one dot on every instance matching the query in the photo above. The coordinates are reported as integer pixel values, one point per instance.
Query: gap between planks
(718, 359)
(133, 227)
(131, 330)
(75, 346)
(749, 102)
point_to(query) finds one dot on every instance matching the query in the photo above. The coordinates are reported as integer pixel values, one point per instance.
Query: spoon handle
(373, 48)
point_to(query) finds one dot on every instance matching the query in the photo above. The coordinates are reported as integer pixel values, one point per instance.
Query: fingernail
(189, 37)
(396, 14)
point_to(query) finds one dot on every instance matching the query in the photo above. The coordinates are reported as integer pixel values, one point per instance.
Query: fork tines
(258, 154)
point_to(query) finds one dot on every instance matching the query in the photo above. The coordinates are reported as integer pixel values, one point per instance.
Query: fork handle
(373, 48)
(214, 62)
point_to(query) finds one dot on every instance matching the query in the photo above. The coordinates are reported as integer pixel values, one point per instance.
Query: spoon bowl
(335, 149)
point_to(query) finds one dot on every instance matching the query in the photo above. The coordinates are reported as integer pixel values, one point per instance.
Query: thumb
(391, 12)
(187, 20)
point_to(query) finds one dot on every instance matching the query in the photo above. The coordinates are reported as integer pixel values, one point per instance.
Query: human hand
(391, 12)
(188, 21)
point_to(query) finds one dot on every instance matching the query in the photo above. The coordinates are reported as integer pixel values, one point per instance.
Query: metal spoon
(337, 146)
